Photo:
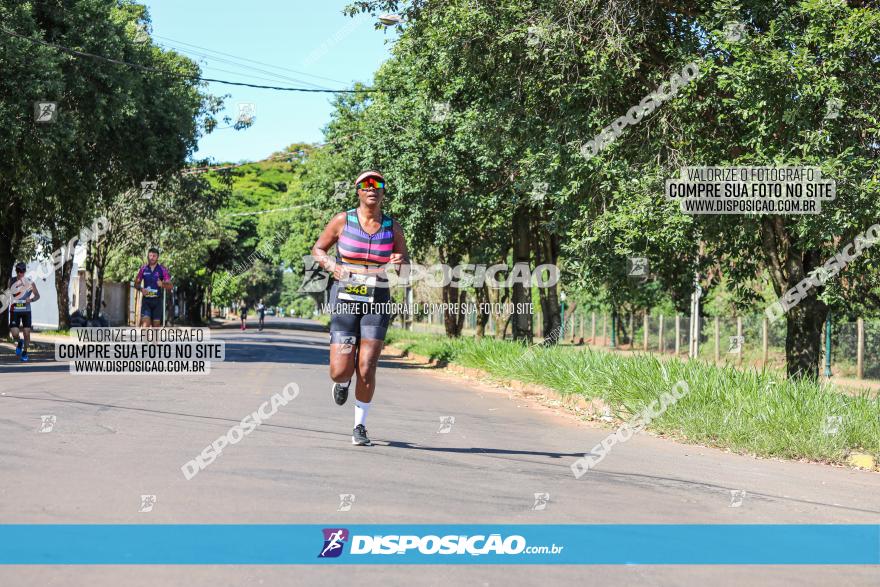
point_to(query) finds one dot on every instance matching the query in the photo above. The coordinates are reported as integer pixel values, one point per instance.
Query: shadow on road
(477, 450)
(285, 351)
(241, 347)
(106, 406)
(394, 363)
(44, 366)
(279, 323)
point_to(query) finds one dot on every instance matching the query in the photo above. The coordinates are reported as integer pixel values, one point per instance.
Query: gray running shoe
(359, 436)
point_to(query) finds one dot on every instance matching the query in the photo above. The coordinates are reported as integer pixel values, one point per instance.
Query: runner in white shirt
(24, 292)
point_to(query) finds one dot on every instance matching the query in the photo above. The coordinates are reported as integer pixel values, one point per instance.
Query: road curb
(593, 409)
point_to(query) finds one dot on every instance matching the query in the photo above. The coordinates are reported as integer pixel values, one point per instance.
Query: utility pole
(562, 317)
(408, 316)
(695, 318)
(695, 308)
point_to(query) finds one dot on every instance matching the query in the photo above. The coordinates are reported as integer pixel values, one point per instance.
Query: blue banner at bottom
(270, 544)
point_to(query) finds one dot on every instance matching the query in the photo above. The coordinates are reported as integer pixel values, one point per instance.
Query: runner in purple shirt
(154, 278)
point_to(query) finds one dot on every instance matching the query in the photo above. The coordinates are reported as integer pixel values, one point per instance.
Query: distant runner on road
(366, 239)
(242, 313)
(261, 311)
(24, 292)
(154, 277)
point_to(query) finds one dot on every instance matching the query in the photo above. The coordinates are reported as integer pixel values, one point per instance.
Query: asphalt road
(116, 438)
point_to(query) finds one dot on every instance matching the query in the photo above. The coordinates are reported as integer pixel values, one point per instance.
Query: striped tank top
(356, 247)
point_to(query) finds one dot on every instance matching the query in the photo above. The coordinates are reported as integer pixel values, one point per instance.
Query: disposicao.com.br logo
(393, 544)
(334, 540)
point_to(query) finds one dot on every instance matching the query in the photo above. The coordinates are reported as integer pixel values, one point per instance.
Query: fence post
(765, 339)
(717, 340)
(828, 346)
(645, 329)
(613, 329)
(632, 331)
(660, 344)
(677, 333)
(860, 349)
(593, 330)
(604, 329)
(694, 334)
(583, 319)
(739, 332)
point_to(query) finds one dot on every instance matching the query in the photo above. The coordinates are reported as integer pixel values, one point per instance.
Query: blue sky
(313, 38)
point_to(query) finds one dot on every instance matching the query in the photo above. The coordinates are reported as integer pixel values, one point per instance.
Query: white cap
(367, 174)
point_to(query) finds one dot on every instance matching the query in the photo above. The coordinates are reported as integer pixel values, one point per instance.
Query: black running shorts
(19, 319)
(152, 308)
(359, 319)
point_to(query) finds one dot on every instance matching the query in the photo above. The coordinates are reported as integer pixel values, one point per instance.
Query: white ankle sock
(360, 412)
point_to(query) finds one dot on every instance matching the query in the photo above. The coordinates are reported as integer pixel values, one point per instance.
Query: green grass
(745, 411)
(64, 332)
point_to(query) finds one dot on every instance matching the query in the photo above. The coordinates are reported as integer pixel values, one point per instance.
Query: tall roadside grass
(744, 411)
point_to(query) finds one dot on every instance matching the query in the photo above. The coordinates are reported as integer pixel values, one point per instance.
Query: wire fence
(748, 340)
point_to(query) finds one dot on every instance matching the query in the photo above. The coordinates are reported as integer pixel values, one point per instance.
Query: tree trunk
(6, 262)
(62, 281)
(568, 317)
(482, 317)
(788, 264)
(522, 323)
(62, 295)
(100, 254)
(803, 341)
(615, 326)
(10, 237)
(209, 300)
(546, 251)
(99, 290)
(92, 307)
(624, 336)
(453, 321)
(195, 297)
